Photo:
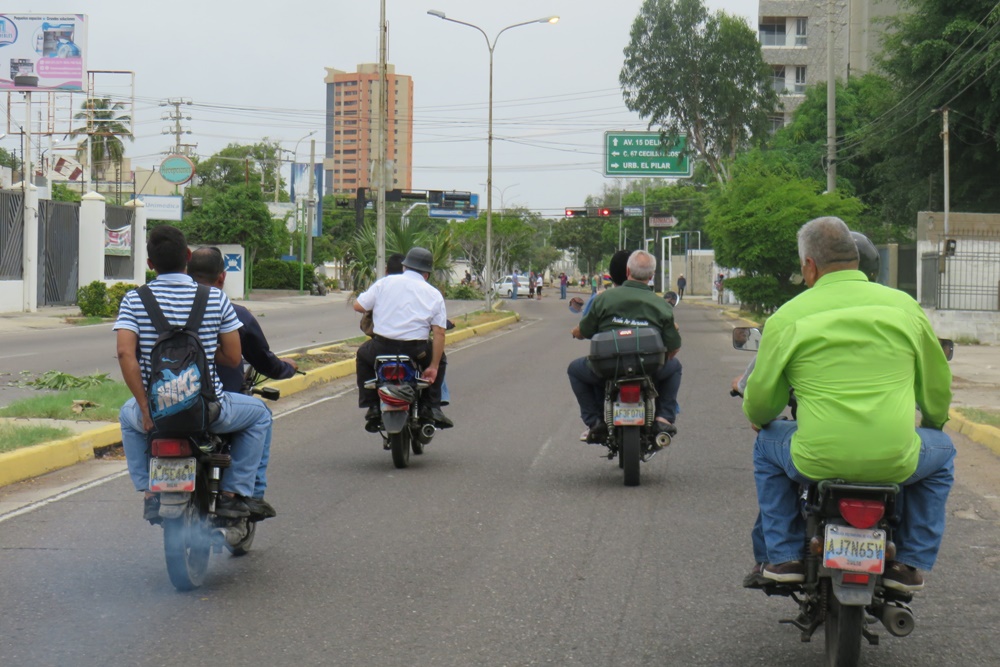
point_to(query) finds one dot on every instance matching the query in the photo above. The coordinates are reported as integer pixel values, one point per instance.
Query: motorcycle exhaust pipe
(662, 440)
(425, 433)
(898, 621)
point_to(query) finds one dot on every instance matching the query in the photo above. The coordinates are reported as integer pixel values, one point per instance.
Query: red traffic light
(576, 213)
(604, 212)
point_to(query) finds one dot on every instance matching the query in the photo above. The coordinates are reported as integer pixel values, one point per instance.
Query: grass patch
(308, 362)
(85, 320)
(108, 397)
(479, 317)
(15, 437)
(981, 416)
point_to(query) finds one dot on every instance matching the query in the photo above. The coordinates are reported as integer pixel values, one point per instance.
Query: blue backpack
(180, 391)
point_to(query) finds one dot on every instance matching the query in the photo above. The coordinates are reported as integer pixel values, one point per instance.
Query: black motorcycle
(186, 472)
(627, 360)
(400, 389)
(848, 539)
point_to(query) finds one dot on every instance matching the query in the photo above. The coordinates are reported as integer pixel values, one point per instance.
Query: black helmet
(869, 261)
(419, 259)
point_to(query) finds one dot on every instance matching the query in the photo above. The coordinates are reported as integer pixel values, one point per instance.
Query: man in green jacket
(859, 355)
(632, 305)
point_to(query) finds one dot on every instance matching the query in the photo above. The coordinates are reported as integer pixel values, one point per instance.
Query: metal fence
(120, 267)
(58, 252)
(11, 235)
(964, 273)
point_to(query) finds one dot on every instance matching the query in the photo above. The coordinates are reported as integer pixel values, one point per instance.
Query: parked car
(505, 286)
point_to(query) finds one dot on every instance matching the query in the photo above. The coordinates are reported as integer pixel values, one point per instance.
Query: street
(509, 542)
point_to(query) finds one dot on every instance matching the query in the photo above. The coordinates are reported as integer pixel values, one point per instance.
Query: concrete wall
(11, 296)
(976, 324)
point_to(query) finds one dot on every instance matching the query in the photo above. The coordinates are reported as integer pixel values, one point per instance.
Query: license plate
(172, 474)
(854, 549)
(629, 414)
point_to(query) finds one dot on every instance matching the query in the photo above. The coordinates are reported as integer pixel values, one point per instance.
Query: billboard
(162, 207)
(300, 191)
(43, 52)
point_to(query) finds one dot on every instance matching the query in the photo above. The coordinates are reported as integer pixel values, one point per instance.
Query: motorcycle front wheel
(399, 445)
(187, 547)
(630, 454)
(843, 634)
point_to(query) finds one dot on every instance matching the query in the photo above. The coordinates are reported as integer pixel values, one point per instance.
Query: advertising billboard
(300, 191)
(43, 52)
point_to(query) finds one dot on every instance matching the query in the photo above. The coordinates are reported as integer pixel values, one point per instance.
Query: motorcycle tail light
(171, 447)
(630, 393)
(861, 513)
(393, 372)
(856, 578)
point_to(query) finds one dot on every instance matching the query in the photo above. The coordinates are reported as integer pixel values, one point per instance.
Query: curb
(988, 436)
(29, 462)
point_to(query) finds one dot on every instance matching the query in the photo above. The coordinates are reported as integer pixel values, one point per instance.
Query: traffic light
(576, 213)
(343, 203)
(603, 212)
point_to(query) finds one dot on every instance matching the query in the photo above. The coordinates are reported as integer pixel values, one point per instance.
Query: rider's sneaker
(902, 578)
(440, 420)
(151, 509)
(231, 507)
(373, 419)
(792, 572)
(598, 433)
(755, 578)
(665, 427)
(260, 508)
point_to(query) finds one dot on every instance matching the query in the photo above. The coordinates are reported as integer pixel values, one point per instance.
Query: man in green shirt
(859, 355)
(633, 304)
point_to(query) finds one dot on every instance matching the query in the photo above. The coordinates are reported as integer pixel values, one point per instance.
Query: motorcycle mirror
(746, 339)
(948, 346)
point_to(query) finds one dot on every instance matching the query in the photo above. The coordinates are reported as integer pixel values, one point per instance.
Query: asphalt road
(509, 542)
(289, 324)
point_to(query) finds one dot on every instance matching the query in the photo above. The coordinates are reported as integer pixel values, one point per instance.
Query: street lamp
(302, 229)
(489, 141)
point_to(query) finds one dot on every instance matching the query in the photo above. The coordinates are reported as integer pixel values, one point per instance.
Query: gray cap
(419, 259)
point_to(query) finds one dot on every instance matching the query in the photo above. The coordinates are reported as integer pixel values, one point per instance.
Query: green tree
(236, 214)
(688, 71)
(512, 236)
(9, 160)
(361, 255)
(62, 192)
(754, 221)
(241, 164)
(590, 239)
(105, 124)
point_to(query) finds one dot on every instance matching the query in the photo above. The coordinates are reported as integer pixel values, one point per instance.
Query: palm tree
(106, 124)
(398, 238)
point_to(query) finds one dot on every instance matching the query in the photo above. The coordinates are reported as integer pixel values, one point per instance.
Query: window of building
(800, 31)
(778, 78)
(772, 31)
(800, 80)
(776, 123)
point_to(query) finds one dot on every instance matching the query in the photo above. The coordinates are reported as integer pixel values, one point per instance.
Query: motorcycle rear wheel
(187, 548)
(630, 455)
(399, 445)
(843, 634)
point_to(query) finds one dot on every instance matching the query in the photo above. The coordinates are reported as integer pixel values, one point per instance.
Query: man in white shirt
(406, 309)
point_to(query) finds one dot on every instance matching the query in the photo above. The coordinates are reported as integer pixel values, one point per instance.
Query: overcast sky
(255, 69)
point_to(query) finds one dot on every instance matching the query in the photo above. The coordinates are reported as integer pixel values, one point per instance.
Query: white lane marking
(541, 453)
(38, 504)
(66, 494)
(15, 356)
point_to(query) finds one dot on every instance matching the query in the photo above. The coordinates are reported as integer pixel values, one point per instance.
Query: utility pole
(831, 105)
(383, 121)
(947, 170)
(177, 116)
(311, 202)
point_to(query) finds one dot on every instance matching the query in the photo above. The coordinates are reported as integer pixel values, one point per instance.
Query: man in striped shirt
(246, 417)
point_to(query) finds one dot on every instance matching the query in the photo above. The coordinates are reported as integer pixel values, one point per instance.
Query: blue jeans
(778, 534)
(513, 293)
(246, 417)
(589, 390)
(562, 291)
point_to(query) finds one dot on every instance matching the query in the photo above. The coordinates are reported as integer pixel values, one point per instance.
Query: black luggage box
(623, 352)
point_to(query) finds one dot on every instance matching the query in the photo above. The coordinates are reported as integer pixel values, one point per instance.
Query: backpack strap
(153, 309)
(197, 309)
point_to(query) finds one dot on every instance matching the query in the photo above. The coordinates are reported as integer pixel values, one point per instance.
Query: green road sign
(642, 154)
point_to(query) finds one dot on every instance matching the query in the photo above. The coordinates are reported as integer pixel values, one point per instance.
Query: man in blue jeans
(246, 417)
(859, 355)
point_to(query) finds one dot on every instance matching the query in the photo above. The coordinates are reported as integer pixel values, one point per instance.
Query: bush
(332, 283)
(279, 274)
(463, 293)
(97, 300)
(150, 275)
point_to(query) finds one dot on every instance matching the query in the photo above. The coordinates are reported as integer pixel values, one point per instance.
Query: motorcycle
(397, 380)
(186, 472)
(848, 540)
(627, 360)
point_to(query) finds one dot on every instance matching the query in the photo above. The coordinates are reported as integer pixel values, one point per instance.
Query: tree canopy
(700, 74)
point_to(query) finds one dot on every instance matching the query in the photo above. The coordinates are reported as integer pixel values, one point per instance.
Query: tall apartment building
(352, 126)
(794, 36)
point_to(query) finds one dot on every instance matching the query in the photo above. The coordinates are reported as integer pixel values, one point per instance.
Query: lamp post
(305, 225)
(489, 142)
